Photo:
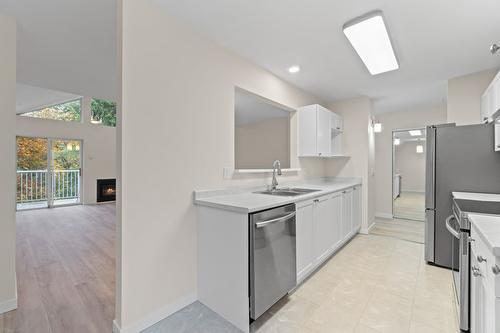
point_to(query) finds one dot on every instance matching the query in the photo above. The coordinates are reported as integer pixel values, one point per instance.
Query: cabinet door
(322, 228)
(324, 131)
(307, 119)
(497, 135)
(335, 204)
(346, 213)
(356, 208)
(476, 299)
(485, 106)
(304, 238)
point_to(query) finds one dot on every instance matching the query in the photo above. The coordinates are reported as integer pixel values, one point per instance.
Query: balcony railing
(32, 185)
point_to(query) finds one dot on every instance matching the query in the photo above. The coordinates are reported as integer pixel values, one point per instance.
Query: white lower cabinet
(322, 226)
(304, 237)
(356, 208)
(484, 288)
(347, 226)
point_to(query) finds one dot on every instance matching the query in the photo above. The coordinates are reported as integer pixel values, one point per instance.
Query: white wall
(258, 145)
(410, 165)
(358, 144)
(99, 145)
(178, 117)
(383, 147)
(8, 294)
(464, 97)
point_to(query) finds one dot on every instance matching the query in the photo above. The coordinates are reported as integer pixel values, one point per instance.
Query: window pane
(103, 112)
(69, 111)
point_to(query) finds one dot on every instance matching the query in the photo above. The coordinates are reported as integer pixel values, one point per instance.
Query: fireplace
(106, 190)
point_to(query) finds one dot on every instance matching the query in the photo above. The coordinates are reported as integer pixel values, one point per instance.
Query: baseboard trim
(156, 316)
(8, 305)
(366, 231)
(384, 215)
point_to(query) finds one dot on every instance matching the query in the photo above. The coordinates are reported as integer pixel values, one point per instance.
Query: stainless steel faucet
(276, 167)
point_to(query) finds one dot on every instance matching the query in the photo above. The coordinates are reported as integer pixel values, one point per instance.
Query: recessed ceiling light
(415, 132)
(369, 37)
(294, 69)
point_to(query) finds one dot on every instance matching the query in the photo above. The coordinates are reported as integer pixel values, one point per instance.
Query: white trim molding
(156, 316)
(384, 215)
(8, 305)
(366, 231)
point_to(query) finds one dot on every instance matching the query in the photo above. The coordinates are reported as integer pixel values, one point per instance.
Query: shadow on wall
(338, 166)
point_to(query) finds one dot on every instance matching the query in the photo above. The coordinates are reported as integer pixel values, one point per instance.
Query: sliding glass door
(48, 172)
(65, 172)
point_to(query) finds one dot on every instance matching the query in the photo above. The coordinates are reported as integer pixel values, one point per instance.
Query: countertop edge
(494, 249)
(239, 209)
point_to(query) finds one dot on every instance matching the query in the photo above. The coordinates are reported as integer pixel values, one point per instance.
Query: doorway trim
(394, 162)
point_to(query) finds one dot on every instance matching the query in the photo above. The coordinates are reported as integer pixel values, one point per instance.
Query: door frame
(50, 200)
(393, 156)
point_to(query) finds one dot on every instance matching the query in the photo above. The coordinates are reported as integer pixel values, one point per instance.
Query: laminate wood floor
(65, 271)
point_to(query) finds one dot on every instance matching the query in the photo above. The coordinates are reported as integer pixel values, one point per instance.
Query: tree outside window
(103, 112)
(68, 111)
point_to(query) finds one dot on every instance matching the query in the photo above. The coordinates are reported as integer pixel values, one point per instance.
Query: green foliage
(65, 159)
(103, 111)
(31, 153)
(70, 111)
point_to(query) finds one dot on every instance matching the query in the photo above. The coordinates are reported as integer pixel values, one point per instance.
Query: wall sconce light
(420, 149)
(377, 127)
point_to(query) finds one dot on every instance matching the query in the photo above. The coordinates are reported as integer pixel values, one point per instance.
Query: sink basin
(288, 192)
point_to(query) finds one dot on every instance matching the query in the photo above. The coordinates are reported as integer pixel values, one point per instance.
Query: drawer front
(487, 262)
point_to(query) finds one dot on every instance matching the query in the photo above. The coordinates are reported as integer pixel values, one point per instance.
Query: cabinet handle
(475, 271)
(481, 259)
(495, 269)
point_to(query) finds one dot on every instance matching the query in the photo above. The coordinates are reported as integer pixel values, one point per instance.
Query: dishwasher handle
(450, 228)
(276, 220)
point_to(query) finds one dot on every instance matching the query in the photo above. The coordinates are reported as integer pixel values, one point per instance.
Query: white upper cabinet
(319, 132)
(490, 100)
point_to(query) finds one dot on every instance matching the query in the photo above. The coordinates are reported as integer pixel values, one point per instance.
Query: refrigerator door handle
(430, 168)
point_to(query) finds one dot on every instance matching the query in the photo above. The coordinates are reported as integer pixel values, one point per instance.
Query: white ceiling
(251, 109)
(30, 98)
(433, 40)
(66, 45)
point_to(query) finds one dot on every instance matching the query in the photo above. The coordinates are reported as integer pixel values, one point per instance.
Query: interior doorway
(49, 172)
(408, 174)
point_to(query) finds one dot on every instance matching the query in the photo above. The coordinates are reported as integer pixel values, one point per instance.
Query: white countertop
(488, 227)
(476, 196)
(245, 201)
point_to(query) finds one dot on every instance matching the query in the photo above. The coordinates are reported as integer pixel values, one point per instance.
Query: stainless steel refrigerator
(459, 158)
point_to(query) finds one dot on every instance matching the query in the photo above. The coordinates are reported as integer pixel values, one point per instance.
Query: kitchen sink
(288, 192)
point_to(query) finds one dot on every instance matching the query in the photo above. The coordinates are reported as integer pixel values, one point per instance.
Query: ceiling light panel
(294, 69)
(415, 132)
(369, 37)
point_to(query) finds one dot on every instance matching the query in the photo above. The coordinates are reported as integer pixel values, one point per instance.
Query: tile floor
(410, 205)
(413, 231)
(374, 284)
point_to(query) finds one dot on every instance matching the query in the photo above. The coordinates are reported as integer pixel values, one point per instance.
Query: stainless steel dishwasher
(273, 271)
